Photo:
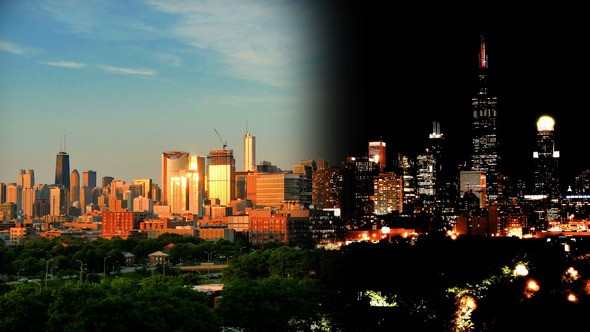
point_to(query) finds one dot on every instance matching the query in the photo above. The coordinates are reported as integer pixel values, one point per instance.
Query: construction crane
(221, 139)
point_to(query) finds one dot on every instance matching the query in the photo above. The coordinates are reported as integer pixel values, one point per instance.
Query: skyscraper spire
(483, 58)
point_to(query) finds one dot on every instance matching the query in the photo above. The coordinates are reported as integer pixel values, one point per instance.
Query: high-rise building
(62, 170)
(89, 179)
(388, 193)
(546, 178)
(26, 180)
(14, 194)
(74, 187)
(474, 183)
(172, 163)
(58, 201)
(377, 153)
(485, 157)
(249, 152)
(221, 168)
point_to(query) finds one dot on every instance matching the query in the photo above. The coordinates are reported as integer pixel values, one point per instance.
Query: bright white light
(521, 270)
(545, 123)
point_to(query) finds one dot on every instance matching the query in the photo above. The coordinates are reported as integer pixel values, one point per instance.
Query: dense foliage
(434, 284)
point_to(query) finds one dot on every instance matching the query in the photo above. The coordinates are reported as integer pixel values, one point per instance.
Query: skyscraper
(485, 157)
(89, 179)
(377, 153)
(62, 170)
(221, 169)
(546, 179)
(172, 163)
(75, 187)
(249, 152)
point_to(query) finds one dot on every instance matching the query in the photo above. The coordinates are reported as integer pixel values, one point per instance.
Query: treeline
(421, 286)
(66, 253)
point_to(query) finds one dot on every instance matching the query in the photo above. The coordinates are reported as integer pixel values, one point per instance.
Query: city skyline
(125, 81)
(432, 69)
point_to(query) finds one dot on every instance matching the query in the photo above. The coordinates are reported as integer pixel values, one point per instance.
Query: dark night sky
(397, 69)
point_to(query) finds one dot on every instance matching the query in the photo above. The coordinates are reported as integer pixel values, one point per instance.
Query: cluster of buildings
(370, 197)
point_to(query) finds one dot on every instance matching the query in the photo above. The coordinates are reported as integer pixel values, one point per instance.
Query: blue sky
(126, 80)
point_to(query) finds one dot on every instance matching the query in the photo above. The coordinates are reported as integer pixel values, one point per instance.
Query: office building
(62, 170)
(279, 190)
(388, 193)
(172, 163)
(26, 180)
(546, 158)
(474, 183)
(221, 168)
(89, 179)
(58, 201)
(249, 152)
(485, 157)
(377, 154)
(74, 187)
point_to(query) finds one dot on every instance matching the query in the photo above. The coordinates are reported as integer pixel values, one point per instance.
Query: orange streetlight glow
(572, 298)
(532, 286)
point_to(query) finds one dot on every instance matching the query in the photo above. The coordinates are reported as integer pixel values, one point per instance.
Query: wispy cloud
(258, 40)
(66, 64)
(127, 71)
(17, 49)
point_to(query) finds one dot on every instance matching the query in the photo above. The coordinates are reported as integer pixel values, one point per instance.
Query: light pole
(81, 266)
(209, 254)
(47, 271)
(104, 266)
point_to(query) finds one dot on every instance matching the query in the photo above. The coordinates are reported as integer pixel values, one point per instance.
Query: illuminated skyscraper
(546, 178)
(221, 168)
(62, 170)
(172, 163)
(485, 157)
(377, 153)
(249, 152)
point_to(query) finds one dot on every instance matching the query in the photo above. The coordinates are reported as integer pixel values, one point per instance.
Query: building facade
(485, 157)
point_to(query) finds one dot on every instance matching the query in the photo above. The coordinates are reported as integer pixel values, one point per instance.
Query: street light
(209, 254)
(104, 266)
(81, 266)
(47, 271)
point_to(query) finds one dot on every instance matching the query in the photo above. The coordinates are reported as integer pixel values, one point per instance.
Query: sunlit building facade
(172, 164)
(278, 190)
(74, 187)
(221, 168)
(249, 153)
(58, 200)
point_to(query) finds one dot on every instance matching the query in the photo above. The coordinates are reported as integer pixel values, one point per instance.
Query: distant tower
(546, 179)
(249, 152)
(62, 169)
(485, 157)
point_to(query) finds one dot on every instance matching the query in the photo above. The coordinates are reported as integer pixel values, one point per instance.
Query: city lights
(521, 270)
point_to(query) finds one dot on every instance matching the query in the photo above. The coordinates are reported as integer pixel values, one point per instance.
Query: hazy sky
(127, 80)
